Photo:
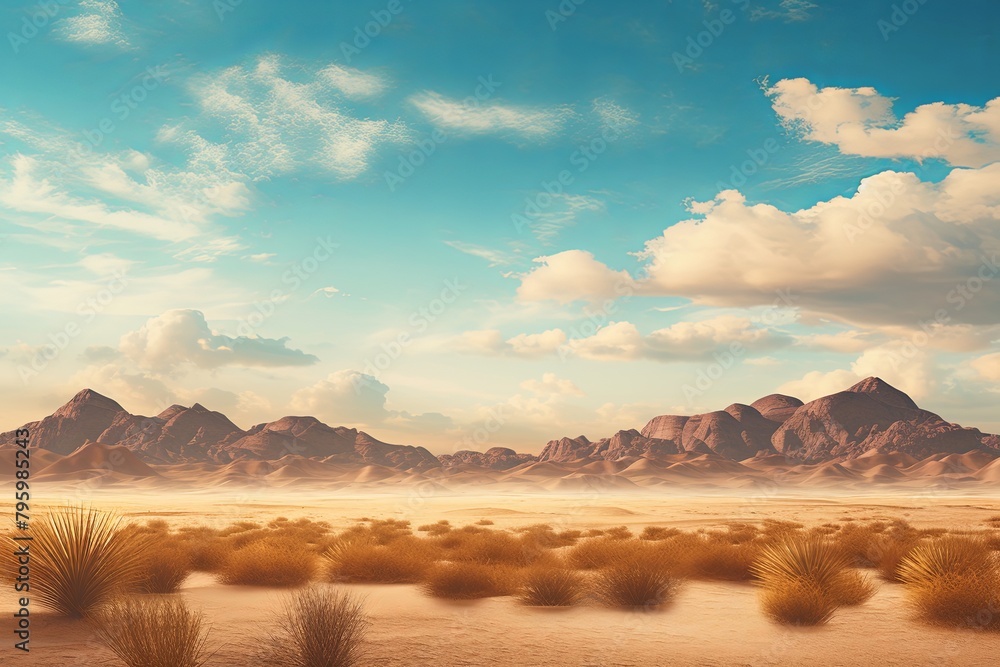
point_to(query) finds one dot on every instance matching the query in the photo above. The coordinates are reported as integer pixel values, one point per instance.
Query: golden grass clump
(547, 586)
(153, 632)
(490, 547)
(470, 581)
(798, 602)
(658, 533)
(81, 559)
(269, 562)
(954, 581)
(597, 552)
(805, 579)
(165, 566)
(319, 627)
(404, 561)
(434, 529)
(640, 579)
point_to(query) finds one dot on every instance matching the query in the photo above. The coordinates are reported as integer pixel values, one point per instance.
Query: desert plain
(706, 623)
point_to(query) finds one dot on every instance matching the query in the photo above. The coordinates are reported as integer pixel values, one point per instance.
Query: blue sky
(493, 223)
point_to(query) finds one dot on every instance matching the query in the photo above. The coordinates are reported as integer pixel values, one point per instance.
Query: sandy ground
(707, 624)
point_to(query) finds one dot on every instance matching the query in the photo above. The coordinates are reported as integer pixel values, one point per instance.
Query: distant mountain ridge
(870, 417)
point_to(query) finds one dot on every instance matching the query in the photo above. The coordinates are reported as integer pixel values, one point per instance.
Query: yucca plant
(810, 559)
(805, 579)
(148, 631)
(81, 559)
(954, 581)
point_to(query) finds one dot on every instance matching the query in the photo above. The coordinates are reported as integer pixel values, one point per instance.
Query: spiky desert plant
(319, 626)
(153, 632)
(804, 580)
(851, 588)
(810, 559)
(640, 579)
(81, 558)
(954, 581)
(551, 587)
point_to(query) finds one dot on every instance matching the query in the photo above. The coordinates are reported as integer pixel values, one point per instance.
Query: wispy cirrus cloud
(98, 23)
(276, 125)
(491, 117)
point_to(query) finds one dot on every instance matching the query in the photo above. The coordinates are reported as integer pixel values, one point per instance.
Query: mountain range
(870, 419)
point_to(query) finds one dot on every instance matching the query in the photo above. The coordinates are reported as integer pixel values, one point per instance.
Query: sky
(478, 224)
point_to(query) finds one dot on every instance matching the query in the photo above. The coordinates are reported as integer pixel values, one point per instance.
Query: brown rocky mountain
(495, 458)
(196, 434)
(872, 417)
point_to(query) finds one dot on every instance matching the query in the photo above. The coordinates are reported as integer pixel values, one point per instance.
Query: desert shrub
(153, 632)
(80, 560)
(435, 529)
(851, 588)
(493, 547)
(953, 581)
(805, 580)
(379, 531)
(618, 533)
(319, 627)
(484, 522)
(658, 533)
(551, 587)
(470, 581)
(597, 552)
(889, 553)
(164, 568)
(405, 560)
(723, 562)
(640, 579)
(269, 562)
(797, 602)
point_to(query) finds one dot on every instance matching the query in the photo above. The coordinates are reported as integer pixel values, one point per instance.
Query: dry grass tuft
(269, 562)
(551, 587)
(954, 581)
(640, 579)
(404, 561)
(80, 560)
(798, 602)
(470, 581)
(164, 568)
(153, 632)
(320, 627)
(851, 588)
